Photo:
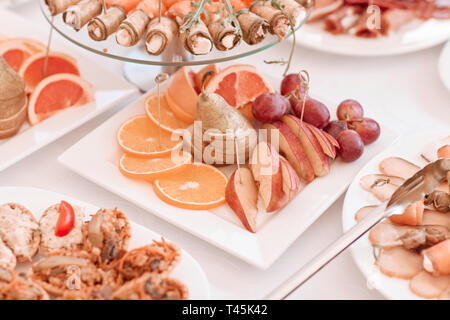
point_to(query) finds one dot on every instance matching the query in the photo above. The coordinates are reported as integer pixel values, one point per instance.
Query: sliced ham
(387, 234)
(398, 4)
(393, 19)
(343, 19)
(381, 186)
(438, 9)
(428, 286)
(399, 262)
(323, 8)
(364, 211)
(432, 217)
(364, 27)
(398, 167)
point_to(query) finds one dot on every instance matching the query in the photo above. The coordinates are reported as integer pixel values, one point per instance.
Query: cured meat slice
(399, 262)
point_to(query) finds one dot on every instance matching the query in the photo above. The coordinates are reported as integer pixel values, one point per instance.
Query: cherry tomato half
(66, 219)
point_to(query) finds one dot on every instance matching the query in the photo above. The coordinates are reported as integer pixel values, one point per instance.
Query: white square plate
(188, 271)
(96, 158)
(110, 89)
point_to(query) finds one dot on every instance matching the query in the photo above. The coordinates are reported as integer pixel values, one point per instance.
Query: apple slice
(330, 138)
(381, 186)
(317, 157)
(292, 149)
(398, 167)
(291, 182)
(241, 195)
(326, 145)
(266, 169)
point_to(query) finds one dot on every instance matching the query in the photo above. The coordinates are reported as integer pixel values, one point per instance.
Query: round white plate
(444, 65)
(409, 147)
(416, 35)
(187, 271)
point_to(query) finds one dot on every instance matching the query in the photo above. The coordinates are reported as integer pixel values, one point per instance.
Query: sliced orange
(197, 187)
(178, 111)
(169, 121)
(56, 93)
(182, 90)
(150, 169)
(32, 68)
(139, 136)
(239, 84)
(16, 50)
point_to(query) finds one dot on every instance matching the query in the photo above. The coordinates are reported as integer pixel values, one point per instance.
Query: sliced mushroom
(381, 186)
(398, 167)
(95, 234)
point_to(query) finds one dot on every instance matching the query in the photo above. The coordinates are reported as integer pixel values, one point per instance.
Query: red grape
(368, 129)
(270, 107)
(350, 110)
(316, 113)
(351, 146)
(335, 127)
(291, 85)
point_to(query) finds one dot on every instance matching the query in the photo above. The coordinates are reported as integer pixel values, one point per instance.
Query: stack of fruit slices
(52, 83)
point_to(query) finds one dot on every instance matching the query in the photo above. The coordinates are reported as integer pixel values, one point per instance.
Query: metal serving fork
(415, 188)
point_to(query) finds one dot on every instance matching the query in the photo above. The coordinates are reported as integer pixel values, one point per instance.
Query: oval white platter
(409, 147)
(36, 200)
(412, 37)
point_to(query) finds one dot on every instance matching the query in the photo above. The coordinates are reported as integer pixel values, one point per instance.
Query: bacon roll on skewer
(160, 34)
(293, 10)
(59, 6)
(197, 39)
(81, 13)
(342, 20)
(102, 26)
(132, 29)
(278, 21)
(254, 28)
(224, 34)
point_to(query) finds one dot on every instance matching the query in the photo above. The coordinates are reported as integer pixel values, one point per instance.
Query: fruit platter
(405, 256)
(68, 249)
(46, 93)
(238, 198)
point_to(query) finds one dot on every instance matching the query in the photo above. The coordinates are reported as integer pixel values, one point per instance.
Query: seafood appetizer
(372, 19)
(233, 121)
(199, 25)
(414, 245)
(27, 88)
(81, 259)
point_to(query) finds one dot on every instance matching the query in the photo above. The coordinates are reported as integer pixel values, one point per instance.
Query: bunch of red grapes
(352, 130)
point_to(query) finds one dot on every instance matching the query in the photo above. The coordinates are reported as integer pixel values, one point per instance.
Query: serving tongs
(413, 189)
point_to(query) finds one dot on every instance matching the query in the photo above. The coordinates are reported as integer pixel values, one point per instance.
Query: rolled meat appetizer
(132, 29)
(393, 19)
(278, 21)
(342, 20)
(197, 39)
(293, 10)
(78, 15)
(254, 28)
(436, 259)
(224, 34)
(59, 6)
(160, 34)
(102, 26)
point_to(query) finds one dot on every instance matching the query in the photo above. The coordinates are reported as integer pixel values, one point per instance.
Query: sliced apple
(398, 167)
(313, 150)
(266, 169)
(326, 145)
(292, 149)
(380, 185)
(332, 140)
(241, 195)
(291, 182)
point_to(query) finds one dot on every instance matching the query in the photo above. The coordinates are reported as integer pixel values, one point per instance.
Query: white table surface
(407, 87)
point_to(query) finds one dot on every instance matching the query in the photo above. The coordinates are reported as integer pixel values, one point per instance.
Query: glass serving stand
(140, 68)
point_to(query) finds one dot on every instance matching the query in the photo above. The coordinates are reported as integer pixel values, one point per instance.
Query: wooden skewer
(47, 51)
(159, 10)
(104, 6)
(160, 78)
(237, 160)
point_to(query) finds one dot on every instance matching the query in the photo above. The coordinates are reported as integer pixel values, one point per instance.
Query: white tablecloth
(407, 87)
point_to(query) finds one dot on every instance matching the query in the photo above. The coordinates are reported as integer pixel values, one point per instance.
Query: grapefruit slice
(239, 84)
(182, 91)
(32, 68)
(56, 93)
(16, 50)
